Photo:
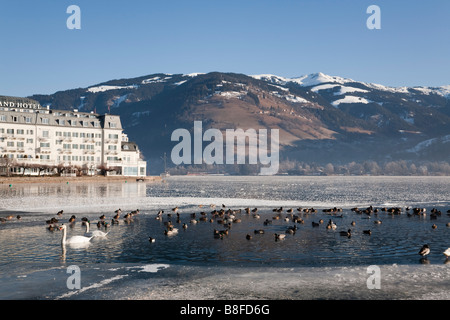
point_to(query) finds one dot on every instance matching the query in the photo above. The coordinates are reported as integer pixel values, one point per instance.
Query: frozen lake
(313, 263)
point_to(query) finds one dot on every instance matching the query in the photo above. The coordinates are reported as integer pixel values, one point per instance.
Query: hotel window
(10, 131)
(73, 122)
(74, 146)
(45, 144)
(45, 134)
(10, 144)
(96, 124)
(75, 134)
(20, 131)
(112, 147)
(3, 118)
(85, 123)
(27, 119)
(113, 136)
(29, 140)
(44, 120)
(58, 133)
(66, 146)
(112, 125)
(62, 122)
(44, 157)
(30, 132)
(66, 134)
(20, 144)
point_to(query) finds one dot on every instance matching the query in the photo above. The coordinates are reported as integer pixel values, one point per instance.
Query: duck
(425, 250)
(52, 221)
(331, 225)
(279, 236)
(377, 222)
(367, 232)
(151, 240)
(291, 230)
(185, 226)
(248, 237)
(259, 231)
(171, 231)
(315, 224)
(72, 219)
(434, 226)
(347, 233)
(59, 213)
(447, 253)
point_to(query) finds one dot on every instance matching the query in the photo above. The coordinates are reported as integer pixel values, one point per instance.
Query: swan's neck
(87, 227)
(63, 240)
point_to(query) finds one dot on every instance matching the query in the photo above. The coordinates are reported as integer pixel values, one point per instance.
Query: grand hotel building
(36, 140)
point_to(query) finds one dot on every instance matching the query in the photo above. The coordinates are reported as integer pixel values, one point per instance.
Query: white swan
(74, 239)
(95, 233)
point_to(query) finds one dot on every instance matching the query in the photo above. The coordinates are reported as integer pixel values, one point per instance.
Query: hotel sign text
(12, 104)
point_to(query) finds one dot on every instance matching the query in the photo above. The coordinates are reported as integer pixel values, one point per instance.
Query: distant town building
(36, 140)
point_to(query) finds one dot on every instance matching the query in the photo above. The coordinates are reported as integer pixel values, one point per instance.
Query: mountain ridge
(317, 114)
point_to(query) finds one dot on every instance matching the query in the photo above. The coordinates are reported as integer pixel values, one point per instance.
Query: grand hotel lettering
(12, 104)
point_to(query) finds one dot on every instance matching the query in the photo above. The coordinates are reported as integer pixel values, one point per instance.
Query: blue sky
(121, 39)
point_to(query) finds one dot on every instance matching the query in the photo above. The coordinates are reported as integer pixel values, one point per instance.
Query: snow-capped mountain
(318, 115)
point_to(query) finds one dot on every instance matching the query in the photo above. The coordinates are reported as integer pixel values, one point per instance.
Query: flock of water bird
(228, 217)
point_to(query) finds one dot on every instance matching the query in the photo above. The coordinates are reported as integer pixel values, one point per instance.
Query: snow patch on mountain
(155, 80)
(344, 90)
(107, 88)
(350, 99)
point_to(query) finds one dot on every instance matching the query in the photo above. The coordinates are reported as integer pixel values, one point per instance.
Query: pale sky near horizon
(289, 38)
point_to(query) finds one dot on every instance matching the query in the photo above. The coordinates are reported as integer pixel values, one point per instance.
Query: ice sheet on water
(397, 282)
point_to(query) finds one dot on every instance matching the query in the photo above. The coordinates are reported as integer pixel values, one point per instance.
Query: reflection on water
(48, 197)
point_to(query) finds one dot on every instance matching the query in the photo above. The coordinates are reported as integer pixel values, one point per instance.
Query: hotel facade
(36, 140)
